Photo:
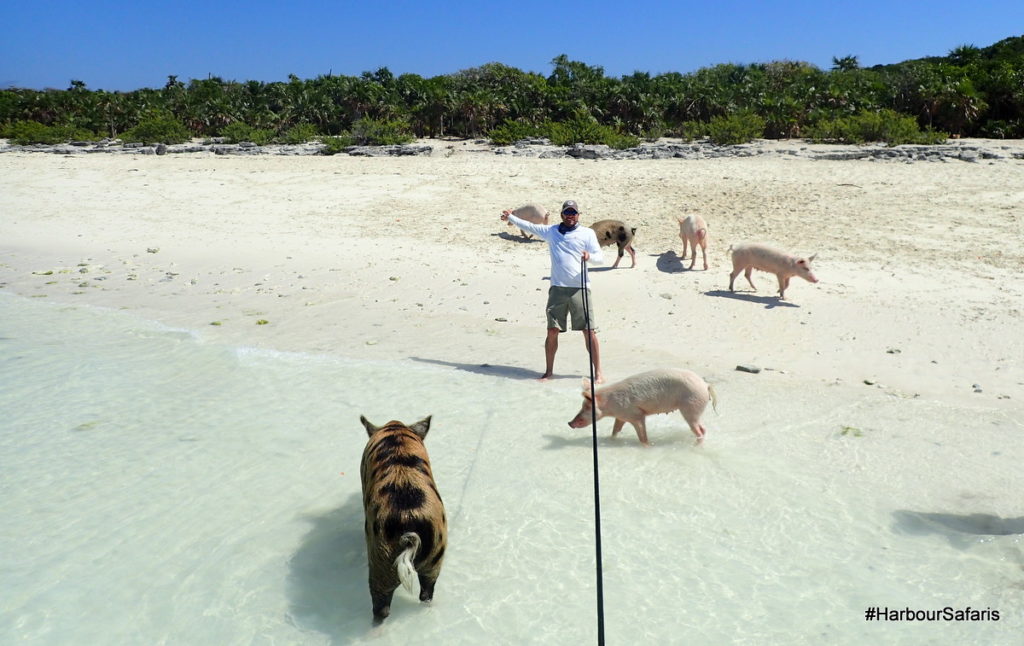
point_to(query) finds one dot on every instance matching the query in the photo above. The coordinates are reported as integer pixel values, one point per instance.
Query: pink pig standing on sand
(655, 391)
(751, 255)
(693, 230)
(530, 213)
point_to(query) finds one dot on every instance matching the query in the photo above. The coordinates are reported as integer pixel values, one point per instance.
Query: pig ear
(586, 384)
(811, 259)
(370, 428)
(421, 427)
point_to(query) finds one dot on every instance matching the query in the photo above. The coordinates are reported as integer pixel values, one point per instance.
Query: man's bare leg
(590, 339)
(550, 348)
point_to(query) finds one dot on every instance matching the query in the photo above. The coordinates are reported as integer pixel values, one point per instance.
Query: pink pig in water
(655, 391)
(749, 256)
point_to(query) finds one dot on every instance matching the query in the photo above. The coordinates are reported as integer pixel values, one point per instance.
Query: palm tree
(845, 64)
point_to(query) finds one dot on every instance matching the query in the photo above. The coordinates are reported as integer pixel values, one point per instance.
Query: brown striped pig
(406, 530)
(530, 213)
(615, 232)
(693, 230)
(749, 256)
(655, 391)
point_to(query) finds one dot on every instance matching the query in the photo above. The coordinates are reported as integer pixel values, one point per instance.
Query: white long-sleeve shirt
(565, 249)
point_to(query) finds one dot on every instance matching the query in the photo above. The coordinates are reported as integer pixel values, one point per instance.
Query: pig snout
(584, 417)
(807, 274)
(581, 420)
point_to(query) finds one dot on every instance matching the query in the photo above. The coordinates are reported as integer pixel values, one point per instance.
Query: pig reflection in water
(656, 391)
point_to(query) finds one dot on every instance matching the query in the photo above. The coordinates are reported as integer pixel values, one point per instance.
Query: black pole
(597, 483)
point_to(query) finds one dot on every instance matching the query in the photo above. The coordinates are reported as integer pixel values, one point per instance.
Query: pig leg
(619, 423)
(694, 259)
(640, 424)
(381, 604)
(696, 427)
(747, 273)
(427, 587)
(683, 257)
(732, 275)
(632, 255)
(704, 252)
(783, 284)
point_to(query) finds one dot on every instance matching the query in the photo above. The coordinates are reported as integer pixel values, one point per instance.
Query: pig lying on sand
(655, 391)
(530, 213)
(749, 256)
(693, 230)
(615, 232)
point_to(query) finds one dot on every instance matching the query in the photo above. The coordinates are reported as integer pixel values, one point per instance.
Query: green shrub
(381, 132)
(239, 132)
(299, 134)
(33, 132)
(1000, 129)
(584, 129)
(335, 145)
(619, 140)
(690, 130)
(369, 132)
(885, 125)
(236, 132)
(739, 128)
(654, 131)
(511, 131)
(158, 129)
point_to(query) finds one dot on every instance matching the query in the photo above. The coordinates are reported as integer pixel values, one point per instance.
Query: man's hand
(586, 256)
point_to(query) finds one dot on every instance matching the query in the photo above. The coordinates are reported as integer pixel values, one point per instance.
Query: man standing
(568, 243)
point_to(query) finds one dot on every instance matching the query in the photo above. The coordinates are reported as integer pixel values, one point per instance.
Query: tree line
(972, 91)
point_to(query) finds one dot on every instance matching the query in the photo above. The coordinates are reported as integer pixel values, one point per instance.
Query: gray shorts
(563, 301)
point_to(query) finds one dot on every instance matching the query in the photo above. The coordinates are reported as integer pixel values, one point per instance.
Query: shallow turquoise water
(160, 489)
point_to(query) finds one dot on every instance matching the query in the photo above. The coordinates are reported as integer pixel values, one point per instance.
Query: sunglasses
(570, 212)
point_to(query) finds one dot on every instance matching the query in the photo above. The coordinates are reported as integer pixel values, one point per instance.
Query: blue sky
(130, 45)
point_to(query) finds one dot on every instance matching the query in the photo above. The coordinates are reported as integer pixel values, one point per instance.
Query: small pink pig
(694, 230)
(749, 256)
(655, 391)
(530, 213)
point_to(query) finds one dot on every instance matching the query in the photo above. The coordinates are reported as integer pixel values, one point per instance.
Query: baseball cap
(570, 204)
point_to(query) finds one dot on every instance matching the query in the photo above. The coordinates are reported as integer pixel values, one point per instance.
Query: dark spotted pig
(406, 531)
(615, 232)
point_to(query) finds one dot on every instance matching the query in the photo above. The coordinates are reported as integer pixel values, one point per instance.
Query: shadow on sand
(511, 237)
(769, 302)
(626, 440)
(669, 262)
(328, 589)
(511, 372)
(327, 582)
(961, 530)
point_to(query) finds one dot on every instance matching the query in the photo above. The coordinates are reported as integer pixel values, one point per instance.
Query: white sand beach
(897, 379)
(392, 258)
